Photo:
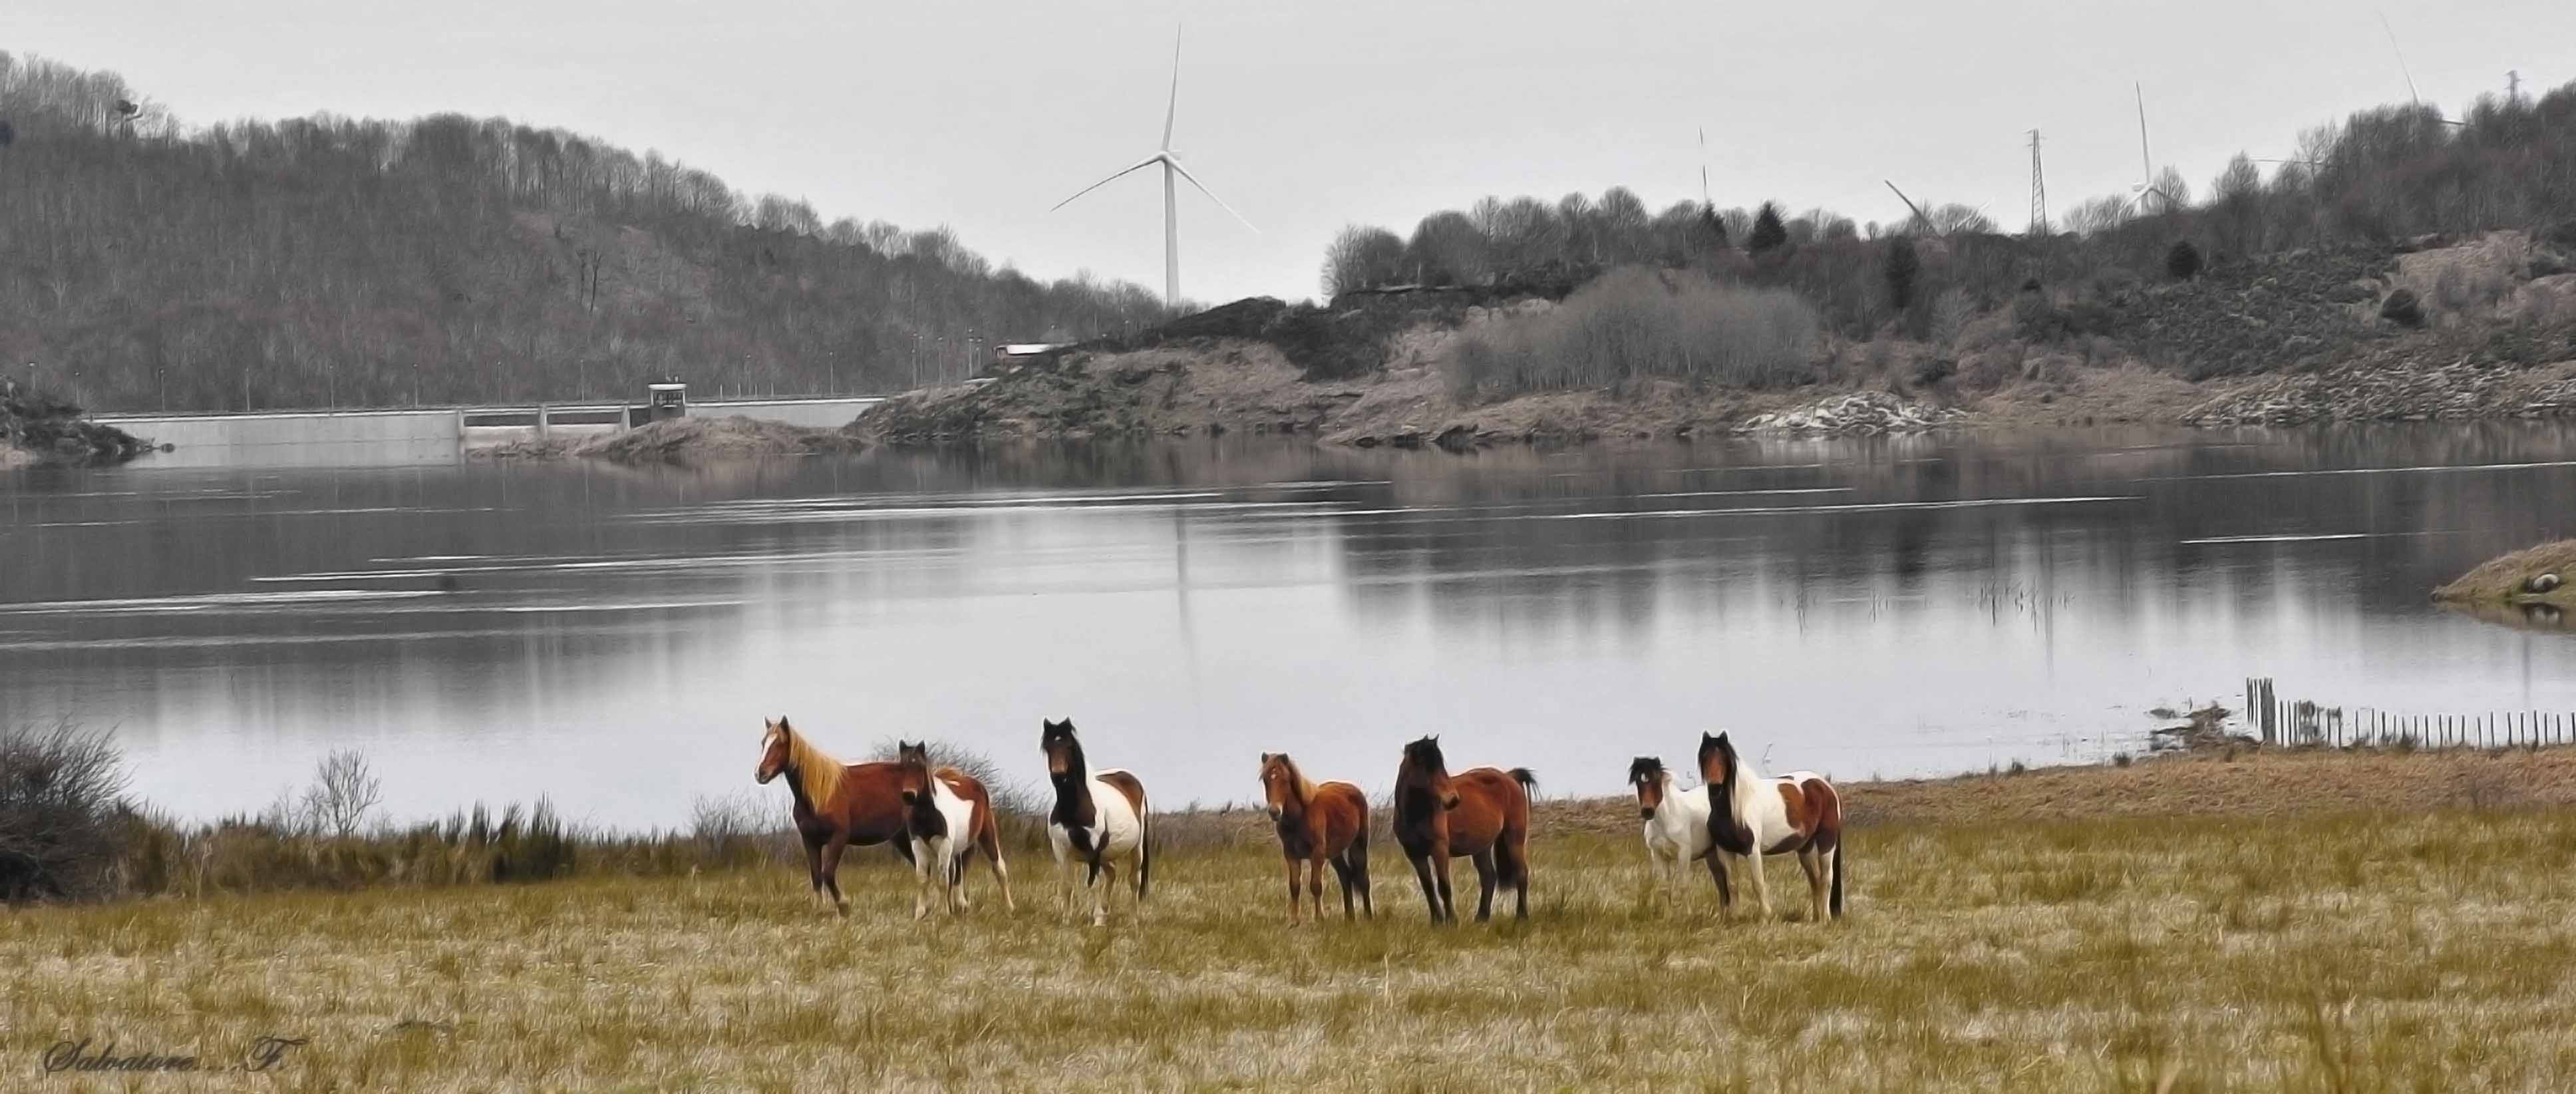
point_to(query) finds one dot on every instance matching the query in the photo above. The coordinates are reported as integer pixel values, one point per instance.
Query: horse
(1099, 817)
(1318, 823)
(1676, 826)
(949, 817)
(1751, 816)
(1482, 813)
(837, 804)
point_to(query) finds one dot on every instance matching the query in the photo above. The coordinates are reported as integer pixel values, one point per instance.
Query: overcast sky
(1309, 116)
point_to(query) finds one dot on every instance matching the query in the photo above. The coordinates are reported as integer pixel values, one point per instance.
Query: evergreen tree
(1768, 233)
(1902, 266)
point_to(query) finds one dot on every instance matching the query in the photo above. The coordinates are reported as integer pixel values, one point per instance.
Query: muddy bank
(686, 440)
(38, 429)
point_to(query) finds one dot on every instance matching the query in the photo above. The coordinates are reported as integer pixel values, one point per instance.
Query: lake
(612, 637)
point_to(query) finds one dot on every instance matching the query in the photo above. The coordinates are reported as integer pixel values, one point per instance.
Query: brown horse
(1482, 813)
(1751, 815)
(837, 804)
(1318, 823)
(950, 817)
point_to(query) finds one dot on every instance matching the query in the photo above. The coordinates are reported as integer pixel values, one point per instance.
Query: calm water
(613, 636)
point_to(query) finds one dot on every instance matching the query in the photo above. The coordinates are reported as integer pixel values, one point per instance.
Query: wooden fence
(2278, 722)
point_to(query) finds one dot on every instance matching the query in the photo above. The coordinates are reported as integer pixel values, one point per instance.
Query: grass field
(2429, 950)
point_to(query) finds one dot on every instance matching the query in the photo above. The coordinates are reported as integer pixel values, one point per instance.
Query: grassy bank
(2328, 953)
(2309, 942)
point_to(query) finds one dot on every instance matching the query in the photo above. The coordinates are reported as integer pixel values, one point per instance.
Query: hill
(330, 261)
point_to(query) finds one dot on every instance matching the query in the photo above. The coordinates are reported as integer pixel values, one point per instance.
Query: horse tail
(1144, 852)
(1838, 876)
(1529, 782)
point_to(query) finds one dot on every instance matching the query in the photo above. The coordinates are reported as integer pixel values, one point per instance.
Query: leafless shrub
(344, 790)
(62, 812)
(1632, 324)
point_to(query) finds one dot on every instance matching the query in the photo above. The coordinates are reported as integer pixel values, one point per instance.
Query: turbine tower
(1171, 198)
(2038, 190)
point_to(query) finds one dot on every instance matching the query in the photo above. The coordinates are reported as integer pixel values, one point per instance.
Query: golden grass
(2349, 952)
(2500, 580)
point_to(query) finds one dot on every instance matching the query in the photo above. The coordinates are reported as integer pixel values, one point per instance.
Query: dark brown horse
(950, 817)
(1318, 823)
(1752, 815)
(1482, 813)
(837, 804)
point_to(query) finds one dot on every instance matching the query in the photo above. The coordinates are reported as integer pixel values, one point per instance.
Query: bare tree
(344, 790)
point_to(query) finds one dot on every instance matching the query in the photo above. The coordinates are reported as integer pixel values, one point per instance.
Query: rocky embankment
(38, 429)
(687, 440)
(2431, 329)
(1861, 412)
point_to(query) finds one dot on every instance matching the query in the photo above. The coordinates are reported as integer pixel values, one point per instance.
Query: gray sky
(1309, 116)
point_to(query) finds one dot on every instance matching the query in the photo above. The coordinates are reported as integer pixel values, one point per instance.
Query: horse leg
(1516, 870)
(1001, 877)
(1315, 884)
(1814, 864)
(1100, 887)
(1291, 865)
(1431, 886)
(921, 857)
(1485, 871)
(1725, 891)
(1761, 886)
(991, 844)
(814, 866)
(832, 871)
(1064, 882)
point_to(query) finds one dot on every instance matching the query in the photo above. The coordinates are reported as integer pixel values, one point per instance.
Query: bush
(2183, 261)
(2402, 308)
(63, 816)
(1633, 324)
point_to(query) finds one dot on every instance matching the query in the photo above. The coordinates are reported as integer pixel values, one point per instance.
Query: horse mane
(1305, 786)
(1645, 766)
(819, 772)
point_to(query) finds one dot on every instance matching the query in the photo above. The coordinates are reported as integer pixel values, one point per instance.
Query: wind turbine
(1171, 201)
(2146, 163)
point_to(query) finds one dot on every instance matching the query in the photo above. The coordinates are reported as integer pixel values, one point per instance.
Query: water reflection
(612, 636)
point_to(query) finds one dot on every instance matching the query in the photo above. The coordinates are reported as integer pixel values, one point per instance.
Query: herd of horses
(1100, 824)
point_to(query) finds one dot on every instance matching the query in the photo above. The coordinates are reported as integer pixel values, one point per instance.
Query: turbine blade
(1211, 195)
(1148, 161)
(1173, 109)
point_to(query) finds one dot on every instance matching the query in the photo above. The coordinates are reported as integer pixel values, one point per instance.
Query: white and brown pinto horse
(1676, 827)
(1098, 819)
(949, 817)
(1751, 816)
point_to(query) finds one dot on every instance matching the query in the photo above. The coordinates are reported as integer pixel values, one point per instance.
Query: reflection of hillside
(2190, 534)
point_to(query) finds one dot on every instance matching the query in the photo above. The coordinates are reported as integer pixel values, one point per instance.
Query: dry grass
(2335, 952)
(2503, 579)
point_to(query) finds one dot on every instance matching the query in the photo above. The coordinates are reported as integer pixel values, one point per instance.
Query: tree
(1362, 258)
(1769, 234)
(1714, 225)
(343, 791)
(1902, 267)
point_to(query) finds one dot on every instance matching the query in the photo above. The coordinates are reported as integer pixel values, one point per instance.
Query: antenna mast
(2512, 85)
(2038, 190)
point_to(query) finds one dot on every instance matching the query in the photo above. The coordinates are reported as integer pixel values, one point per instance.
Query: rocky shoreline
(36, 429)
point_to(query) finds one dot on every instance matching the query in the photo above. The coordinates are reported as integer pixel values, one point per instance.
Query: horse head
(775, 743)
(912, 771)
(1717, 762)
(1063, 752)
(1278, 782)
(1648, 775)
(1424, 759)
